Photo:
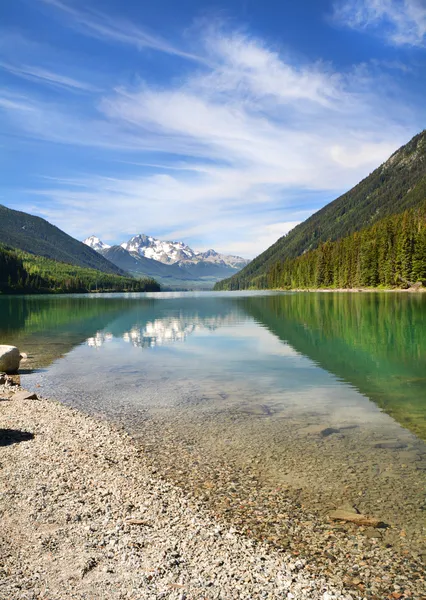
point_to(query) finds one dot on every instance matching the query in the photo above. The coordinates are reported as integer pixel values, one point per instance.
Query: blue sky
(219, 123)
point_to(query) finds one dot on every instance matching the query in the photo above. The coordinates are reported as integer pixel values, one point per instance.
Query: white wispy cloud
(237, 149)
(16, 105)
(45, 76)
(101, 25)
(401, 22)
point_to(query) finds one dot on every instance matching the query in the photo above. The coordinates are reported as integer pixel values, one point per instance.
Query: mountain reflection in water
(375, 342)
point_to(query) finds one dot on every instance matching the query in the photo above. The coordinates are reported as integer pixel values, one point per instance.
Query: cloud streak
(40, 75)
(97, 24)
(400, 22)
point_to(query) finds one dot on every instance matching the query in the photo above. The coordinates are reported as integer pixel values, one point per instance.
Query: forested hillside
(21, 272)
(397, 185)
(391, 253)
(35, 235)
(12, 271)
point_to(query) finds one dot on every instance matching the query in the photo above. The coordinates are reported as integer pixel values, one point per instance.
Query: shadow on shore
(14, 436)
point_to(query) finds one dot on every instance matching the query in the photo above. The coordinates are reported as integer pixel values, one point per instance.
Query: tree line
(391, 253)
(21, 272)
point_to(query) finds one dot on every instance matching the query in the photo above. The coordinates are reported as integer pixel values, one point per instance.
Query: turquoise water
(323, 394)
(297, 346)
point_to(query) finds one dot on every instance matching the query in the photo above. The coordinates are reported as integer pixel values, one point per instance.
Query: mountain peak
(140, 239)
(94, 242)
(164, 251)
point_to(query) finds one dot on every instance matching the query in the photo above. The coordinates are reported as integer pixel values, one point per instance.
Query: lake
(254, 402)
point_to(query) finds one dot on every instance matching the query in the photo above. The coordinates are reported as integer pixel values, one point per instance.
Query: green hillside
(391, 253)
(21, 272)
(397, 185)
(37, 236)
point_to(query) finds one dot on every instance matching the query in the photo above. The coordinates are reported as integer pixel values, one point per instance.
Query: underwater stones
(356, 518)
(329, 431)
(349, 508)
(372, 532)
(391, 445)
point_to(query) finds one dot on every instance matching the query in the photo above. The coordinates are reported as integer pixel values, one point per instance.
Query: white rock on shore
(9, 359)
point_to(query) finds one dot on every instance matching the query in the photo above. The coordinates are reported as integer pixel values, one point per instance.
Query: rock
(390, 445)
(5, 393)
(9, 380)
(24, 395)
(9, 359)
(371, 532)
(13, 380)
(328, 431)
(350, 517)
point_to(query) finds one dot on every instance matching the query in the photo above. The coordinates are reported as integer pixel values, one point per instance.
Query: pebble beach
(85, 516)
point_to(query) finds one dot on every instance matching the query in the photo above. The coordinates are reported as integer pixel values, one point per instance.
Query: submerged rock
(356, 518)
(329, 431)
(372, 532)
(9, 359)
(391, 445)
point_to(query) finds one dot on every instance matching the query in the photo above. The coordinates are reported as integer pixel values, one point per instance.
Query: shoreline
(410, 290)
(84, 515)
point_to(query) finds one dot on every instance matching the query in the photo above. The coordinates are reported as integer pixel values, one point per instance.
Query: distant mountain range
(396, 186)
(169, 252)
(170, 262)
(178, 252)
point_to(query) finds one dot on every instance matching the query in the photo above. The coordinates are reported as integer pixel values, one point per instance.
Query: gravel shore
(85, 516)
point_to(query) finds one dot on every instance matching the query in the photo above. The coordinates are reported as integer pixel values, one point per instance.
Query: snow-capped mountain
(236, 262)
(95, 243)
(171, 263)
(177, 252)
(165, 252)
